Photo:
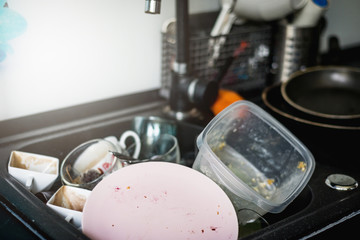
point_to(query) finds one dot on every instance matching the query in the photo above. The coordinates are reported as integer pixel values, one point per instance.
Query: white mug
(99, 152)
(69, 202)
(88, 163)
(36, 172)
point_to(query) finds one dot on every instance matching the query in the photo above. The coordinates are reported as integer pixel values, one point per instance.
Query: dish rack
(250, 42)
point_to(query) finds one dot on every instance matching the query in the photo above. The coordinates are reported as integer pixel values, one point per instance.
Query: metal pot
(332, 141)
(327, 92)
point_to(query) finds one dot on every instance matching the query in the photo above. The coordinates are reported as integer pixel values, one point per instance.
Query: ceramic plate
(158, 200)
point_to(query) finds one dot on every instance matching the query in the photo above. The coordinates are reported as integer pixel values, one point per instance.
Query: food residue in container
(33, 162)
(221, 145)
(90, 175)
(302, 166)
(270, 181)
(70, 199)
(246, 171)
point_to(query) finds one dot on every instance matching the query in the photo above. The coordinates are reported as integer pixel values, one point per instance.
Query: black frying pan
(328, 92)
(332, 141)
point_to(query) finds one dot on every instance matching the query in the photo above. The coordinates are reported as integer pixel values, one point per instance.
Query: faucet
(152, 6)
(190, 97)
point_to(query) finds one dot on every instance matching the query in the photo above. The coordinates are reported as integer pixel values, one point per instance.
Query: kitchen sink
(315, 210)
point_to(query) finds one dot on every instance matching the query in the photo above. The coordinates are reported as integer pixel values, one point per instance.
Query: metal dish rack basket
(247, 71)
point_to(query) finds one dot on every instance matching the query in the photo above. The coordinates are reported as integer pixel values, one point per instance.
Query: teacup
(35, 171)
(69, 202)
(164, 147)
(87, 164)
(152, 127)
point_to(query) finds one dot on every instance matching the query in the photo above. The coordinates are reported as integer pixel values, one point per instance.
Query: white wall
(78, 51)
(343, 19)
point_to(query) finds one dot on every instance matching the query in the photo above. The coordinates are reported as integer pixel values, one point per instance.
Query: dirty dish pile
(89, 163)
(256, 160)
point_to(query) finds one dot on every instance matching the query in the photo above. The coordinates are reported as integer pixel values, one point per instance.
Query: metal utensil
(222, 27)
(126, 158)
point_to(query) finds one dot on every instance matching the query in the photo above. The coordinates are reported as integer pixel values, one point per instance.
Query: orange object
(224, 99)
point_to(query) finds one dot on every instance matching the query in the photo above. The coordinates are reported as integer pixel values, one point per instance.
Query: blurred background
(75, 52)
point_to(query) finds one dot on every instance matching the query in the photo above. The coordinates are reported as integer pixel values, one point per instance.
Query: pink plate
(158, 200)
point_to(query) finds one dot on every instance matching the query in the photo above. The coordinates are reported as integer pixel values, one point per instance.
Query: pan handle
(332, 57)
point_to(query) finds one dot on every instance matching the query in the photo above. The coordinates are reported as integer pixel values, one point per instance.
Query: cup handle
(136, 138)
(29, 183)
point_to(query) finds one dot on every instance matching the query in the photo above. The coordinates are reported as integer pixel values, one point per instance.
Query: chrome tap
(189, 96)
(152, 6)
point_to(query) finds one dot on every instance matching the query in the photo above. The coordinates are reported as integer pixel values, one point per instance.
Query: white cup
(69, 202)
(87, 164)
(97, 156)
(36, 172)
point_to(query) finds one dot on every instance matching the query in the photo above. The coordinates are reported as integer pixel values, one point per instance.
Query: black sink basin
(316, 208)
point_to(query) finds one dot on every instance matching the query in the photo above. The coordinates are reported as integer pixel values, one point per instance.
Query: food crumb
(270, 181)
(128, 187)
(222, 145)
(213, 228)
(113, 225)
(202, 230)
(302, 166)
(217, 213)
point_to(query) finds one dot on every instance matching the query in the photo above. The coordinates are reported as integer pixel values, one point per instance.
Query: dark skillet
(325, 91)
(332, 141)
(273, 99)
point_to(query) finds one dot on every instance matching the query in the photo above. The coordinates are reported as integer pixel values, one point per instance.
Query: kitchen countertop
(318, 215)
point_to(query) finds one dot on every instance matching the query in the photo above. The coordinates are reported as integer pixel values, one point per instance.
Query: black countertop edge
(60, 116)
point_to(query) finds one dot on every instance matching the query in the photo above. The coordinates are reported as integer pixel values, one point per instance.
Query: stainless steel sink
(315, 208)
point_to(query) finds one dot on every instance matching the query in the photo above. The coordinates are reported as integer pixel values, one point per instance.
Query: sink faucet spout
(152, 6)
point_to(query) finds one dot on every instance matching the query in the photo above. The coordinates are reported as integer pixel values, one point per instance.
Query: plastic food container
(256, 160)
